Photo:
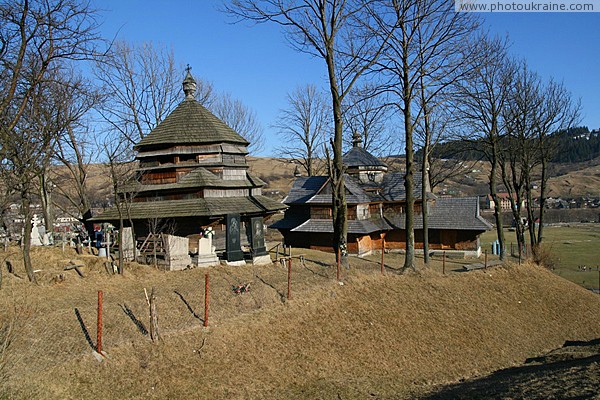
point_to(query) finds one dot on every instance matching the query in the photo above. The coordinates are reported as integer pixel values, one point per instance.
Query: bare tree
(338, 33)
(483, 95)
(119, 155)
(303, 126)
(518, 156)
(559, 111)
(74, 98)
(240, 118)
(35, 38)
(142, 86)
(424, 33)
(368, 113)
(25, 155)
(536, 109)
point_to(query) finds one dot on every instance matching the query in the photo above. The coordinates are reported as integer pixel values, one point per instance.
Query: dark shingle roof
(304, 188)
(326, 226)
(359, 157)
(213, 206)
(290, 221)
(198, 178)
(393, 187)
(448, 213)
(191, 123)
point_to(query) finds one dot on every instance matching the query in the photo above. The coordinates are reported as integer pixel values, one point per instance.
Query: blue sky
(256, 65)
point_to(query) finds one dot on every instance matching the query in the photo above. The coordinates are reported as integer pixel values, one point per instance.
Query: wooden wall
(394, 240)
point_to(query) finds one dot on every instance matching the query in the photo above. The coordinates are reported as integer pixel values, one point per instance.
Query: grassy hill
(385, 337)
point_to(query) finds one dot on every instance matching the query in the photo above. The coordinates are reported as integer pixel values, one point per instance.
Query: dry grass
(375, 336)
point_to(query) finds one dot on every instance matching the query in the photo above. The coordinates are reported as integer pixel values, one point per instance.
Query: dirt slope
(384, 337)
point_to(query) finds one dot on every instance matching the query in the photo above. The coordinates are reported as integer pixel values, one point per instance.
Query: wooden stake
(154, 333)
(339, 256)
(382, 253)
(289, 292)
(485, 263)
(444, 262)
(206, 287)
(99, 326)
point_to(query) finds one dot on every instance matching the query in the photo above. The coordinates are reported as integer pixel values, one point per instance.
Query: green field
(573, 246)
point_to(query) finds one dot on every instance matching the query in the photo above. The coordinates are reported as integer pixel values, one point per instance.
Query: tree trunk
(425, 211)
(543, 188)
(494, 194)
(513, 188)
(409, 181)
(338, 193)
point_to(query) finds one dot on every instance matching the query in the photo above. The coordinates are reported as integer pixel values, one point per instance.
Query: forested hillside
(572, 145)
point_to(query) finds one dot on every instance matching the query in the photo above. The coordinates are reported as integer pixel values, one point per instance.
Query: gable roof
(304, 188)
(190, 123)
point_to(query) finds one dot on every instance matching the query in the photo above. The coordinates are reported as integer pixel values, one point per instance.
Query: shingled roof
(210, 207)
(190, 123)
(304, 188)
(198, 178)
(361, 227)
(359, 157)
(447, 213)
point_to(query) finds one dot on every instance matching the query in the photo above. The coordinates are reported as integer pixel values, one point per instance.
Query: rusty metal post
(206, 288)
(382, 253)
(339, 260)
(485, 263)
(444, 262)
(289, 292)
(99, 326)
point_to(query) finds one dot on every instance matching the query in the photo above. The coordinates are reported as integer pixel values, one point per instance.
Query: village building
(193, 180)
(505, 203)
(376, 201)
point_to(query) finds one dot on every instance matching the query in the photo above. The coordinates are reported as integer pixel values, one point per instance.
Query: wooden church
(376, 202)
(192, 175)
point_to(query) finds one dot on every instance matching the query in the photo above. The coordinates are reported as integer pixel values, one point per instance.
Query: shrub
(545, 257)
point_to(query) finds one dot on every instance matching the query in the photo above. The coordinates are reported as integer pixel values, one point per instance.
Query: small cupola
(362, 164)
(189, 84)
(356, 139)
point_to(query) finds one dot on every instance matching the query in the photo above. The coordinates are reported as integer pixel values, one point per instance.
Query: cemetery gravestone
(234, 254)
